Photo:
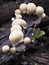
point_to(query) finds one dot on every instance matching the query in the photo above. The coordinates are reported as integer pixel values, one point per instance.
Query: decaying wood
(35, 53)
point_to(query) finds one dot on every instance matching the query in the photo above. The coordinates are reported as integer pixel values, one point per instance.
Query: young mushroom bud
(27, 40)
(16, 37)
(13, 50)
(33, 40)
(43, 15)
(5, 48)
(12, 19)
(23, 8)
(18, 16)
(39, 10)
(17, 11)
(20, 22)
(16, 27)
(31, 8)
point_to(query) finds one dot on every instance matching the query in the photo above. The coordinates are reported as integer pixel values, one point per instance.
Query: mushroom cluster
(31, 8)
(18, 24)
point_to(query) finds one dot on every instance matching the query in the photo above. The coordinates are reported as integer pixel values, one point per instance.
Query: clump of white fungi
(16, 36)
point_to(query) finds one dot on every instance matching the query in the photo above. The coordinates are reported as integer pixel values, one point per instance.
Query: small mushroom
(20, 22)
(43, 15)
(17, 11)
(16, 37)
(31, 8)
(16, 27)
(33, 40)
(27, 40)
(12, 19)
(5, 48)
(18, 16)
(13, 50)
(39, 10)
(23, 8)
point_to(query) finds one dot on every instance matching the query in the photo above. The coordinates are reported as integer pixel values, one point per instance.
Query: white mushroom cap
(23, 8)
(16, 37)
(31, 8)
(20, 22)
(27, 40)
(43, 15)
(16, 27)
(13, 50)
(5, 48)
(18, 16)
(17, 11)
(39, 10)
